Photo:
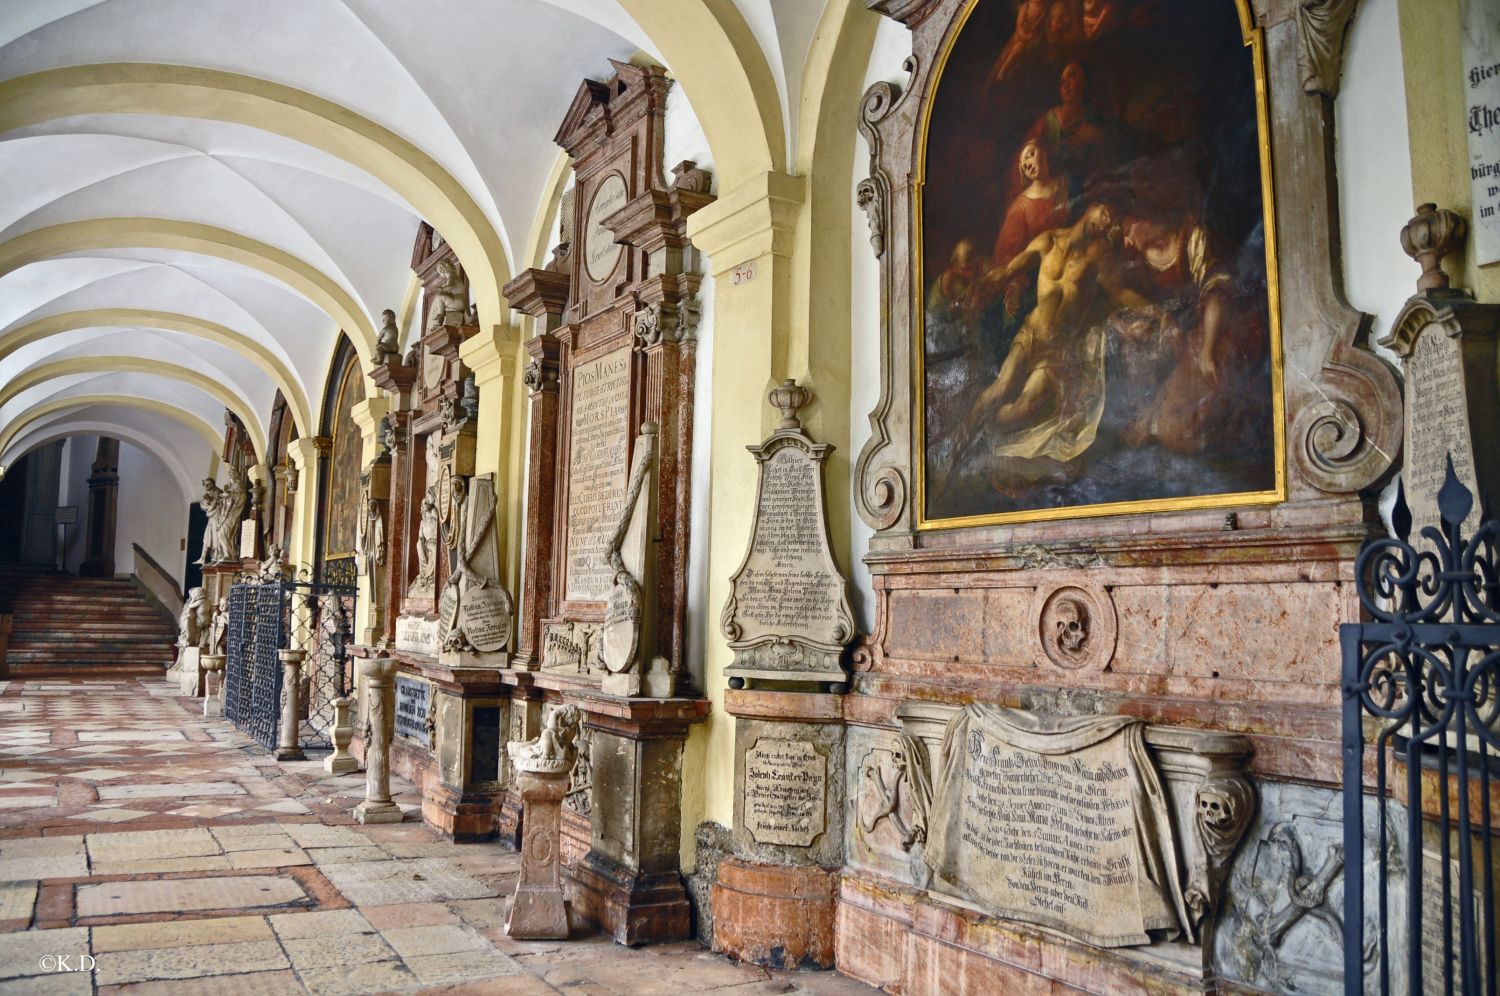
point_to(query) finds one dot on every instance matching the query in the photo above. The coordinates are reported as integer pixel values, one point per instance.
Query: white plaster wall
(892, 46)
(1374, 164)
(150, 511)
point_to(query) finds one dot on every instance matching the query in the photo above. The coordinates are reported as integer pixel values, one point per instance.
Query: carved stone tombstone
(603, 611)
(788, 614)
(476, 610)
(1449, 344)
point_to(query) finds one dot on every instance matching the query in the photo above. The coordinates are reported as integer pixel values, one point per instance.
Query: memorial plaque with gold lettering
(1057, 821)
(786, 792)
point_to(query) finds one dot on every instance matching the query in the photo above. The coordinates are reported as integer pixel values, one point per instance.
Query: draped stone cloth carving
(1059, 821)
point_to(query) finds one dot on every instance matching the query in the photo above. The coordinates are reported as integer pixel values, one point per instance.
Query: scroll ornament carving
(1222, 810)
(655, 323)
(540, 377)
(1321, 28)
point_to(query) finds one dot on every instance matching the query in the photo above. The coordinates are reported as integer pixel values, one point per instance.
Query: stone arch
(186, 91)
(210, 436)
(248, 346)
(49, 434)
(135, 364)
(206, 240)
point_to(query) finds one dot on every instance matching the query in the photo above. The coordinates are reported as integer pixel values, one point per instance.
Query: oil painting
(1097, 299)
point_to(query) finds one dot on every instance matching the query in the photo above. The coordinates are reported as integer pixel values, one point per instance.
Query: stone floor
(184, 859)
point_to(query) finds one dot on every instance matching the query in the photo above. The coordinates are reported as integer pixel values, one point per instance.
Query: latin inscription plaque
(413, 699)
(417, 635)
(1059, 823)
(600, 250)
(596, 470)
(786, 792)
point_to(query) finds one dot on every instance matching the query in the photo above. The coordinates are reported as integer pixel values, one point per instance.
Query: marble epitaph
(786, 792)
(413, 702)
(1481, 81)
(1058, 822)
(788, 613)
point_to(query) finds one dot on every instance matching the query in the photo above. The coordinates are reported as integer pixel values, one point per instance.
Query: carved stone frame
(1342, 402)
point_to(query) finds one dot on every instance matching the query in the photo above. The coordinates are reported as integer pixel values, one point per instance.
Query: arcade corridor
(183, 859)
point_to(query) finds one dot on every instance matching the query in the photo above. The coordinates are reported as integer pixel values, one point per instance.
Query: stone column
(289, 747)
(213, 684)
(379, 674)
(544, 766)
(340, 732)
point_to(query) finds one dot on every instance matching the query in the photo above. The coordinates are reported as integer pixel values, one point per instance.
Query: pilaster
(303, 454)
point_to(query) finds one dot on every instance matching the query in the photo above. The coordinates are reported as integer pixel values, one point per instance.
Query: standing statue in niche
(210, 502)
(218, 629)
(388, 343)
(450, 302)
(427, 541)
(232, 501)
(192, 624)
(369, 537)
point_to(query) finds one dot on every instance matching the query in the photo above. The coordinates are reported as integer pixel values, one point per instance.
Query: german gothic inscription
(787, 586)
(596, 470)
(786, 792)
(1057, 822)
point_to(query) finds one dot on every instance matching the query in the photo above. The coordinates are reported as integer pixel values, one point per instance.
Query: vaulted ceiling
(200, 194)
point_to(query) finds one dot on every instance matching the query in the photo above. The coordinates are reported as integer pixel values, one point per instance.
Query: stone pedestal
(774, 900)
(289, 746)
(379, 674)
(340, 732)
(539, 910)
(189, 674)
(213, 684)
(630, 884)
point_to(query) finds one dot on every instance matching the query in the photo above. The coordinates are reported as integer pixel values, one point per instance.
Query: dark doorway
(13, 510)
(192, 575)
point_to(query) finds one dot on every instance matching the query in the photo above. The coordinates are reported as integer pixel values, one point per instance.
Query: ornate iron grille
(321, 620)
(265, 677)
(338, 572)
(237, 642)
(1424, 677)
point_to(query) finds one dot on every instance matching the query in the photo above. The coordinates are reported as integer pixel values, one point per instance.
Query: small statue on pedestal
(450, 302)
(388, 342)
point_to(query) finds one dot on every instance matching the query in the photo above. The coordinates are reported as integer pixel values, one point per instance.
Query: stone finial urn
(1429, 236)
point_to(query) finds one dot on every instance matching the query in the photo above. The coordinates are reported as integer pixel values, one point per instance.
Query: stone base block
(508, 820)
(465, 817)
(474, 658)
(539, 916)
(775, 915)
(907, 941)
(387, 812)
(189, 674)
(340, 765)
(290, 754)
(632, 907)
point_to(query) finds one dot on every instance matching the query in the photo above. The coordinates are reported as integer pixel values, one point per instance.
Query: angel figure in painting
(1031, 21)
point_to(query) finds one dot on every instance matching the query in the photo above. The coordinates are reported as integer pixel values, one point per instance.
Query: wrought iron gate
(1423, 679)
(265, 618)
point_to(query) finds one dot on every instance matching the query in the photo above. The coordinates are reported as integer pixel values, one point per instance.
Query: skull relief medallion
(1075, 625)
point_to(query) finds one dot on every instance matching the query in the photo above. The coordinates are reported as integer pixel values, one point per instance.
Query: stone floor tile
(16, 900)
(318, 835)
(357, 980)
(27, 801)
(113, 815)
(138, 845)
(514, 985)
(106, 736)
(412, 849)
(42, 857)
(320, 923)
(188, 962)
(344, 855)
(180, 933)
(317, 953)
(482, 913)
(435, 939)
(281, 857)
(272, 840)
(440, 968)
(144, 866)
(21, 953)
(205, 810)
(179, 790)
(228, 893)
(55, 984)
(421, 880)
(409, 915)
(98, 774)
(283, 983)
(285, 806)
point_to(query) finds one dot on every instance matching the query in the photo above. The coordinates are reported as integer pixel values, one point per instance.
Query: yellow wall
(1433, 63)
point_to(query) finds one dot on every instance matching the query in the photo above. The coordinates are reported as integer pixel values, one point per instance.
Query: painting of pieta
(1098, 324)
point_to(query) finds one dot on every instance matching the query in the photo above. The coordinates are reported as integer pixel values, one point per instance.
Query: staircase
(67, 623)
